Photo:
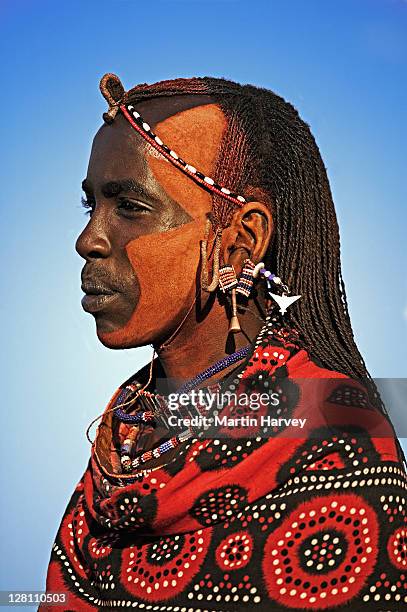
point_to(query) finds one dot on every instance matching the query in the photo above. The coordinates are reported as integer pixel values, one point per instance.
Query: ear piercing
(229, 283)
(246, 278)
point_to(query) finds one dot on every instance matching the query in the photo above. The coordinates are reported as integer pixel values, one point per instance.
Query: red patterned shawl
(315, 522)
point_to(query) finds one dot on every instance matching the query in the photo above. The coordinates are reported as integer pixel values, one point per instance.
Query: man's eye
(127, 206)
(131, 206)
(89, 204)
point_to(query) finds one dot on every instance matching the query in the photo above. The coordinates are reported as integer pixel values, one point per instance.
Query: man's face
(141, 244)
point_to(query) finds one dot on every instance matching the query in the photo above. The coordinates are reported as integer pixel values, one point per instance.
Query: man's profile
(212, 236)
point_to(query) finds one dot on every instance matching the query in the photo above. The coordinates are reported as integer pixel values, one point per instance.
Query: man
(198, 190)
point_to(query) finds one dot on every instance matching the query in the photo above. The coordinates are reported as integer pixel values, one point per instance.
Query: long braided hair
(267, 148)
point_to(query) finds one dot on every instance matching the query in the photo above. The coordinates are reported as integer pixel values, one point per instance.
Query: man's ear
(248, 235)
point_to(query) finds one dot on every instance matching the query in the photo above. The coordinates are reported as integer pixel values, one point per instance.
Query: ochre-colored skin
(204, 127)
(150, 257)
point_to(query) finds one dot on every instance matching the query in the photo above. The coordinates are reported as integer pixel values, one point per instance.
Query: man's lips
(93, 288)
(97, 296)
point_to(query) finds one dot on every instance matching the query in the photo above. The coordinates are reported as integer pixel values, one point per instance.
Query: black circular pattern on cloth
(234, 551)
(226, 453)
(278, 382)
(348, 395)
(330, 448)
(162, 569)
(132, 510)
(284, 396)
(323, 551)
(397, 548)
(217, 505)
(100, 547)
(260, 379)
(313, 551)
(165, 550)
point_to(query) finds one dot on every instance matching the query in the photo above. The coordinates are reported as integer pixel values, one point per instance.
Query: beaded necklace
(158, 406)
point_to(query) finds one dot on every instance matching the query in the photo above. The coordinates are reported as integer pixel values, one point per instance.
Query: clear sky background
(342, 64)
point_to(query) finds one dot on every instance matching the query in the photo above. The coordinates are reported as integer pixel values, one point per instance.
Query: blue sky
(342, 64)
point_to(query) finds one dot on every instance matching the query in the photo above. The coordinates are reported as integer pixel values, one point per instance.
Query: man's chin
(114, 338)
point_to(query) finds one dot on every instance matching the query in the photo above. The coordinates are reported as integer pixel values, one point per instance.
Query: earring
(284, 300)
(205, 285)
(234, 325)
(228, 283)
(245, 283)
(227, 278)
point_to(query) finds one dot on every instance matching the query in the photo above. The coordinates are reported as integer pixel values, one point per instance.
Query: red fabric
(308, 519)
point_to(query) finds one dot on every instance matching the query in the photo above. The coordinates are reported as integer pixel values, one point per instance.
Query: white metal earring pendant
(284, 300)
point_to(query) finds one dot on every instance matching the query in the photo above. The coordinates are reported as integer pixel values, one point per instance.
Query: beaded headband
(113, 92)
(143, 128)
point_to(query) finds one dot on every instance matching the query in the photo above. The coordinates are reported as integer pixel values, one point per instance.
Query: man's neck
(200, 343)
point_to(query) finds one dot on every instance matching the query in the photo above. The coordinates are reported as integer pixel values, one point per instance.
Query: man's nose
(93, 242)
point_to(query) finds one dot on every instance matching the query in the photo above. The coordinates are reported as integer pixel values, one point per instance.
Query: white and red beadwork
(166, 446)
(245, 283)
(143, 128)
(227, 278)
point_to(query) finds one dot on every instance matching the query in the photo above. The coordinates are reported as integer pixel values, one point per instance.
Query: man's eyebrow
(113, 188)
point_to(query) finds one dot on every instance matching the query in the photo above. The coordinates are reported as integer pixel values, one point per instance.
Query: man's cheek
(166, 263)
(166, 266)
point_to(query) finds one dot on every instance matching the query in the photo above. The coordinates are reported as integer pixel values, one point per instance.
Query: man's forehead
(185, 123)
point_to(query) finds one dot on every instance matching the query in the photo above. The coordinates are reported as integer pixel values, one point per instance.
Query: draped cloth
(309, 518)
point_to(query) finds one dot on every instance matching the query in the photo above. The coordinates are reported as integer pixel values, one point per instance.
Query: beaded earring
(227, 278)
(228, 283)
(245, 283)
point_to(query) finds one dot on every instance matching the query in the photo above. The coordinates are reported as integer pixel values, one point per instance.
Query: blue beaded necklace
(219, 366)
